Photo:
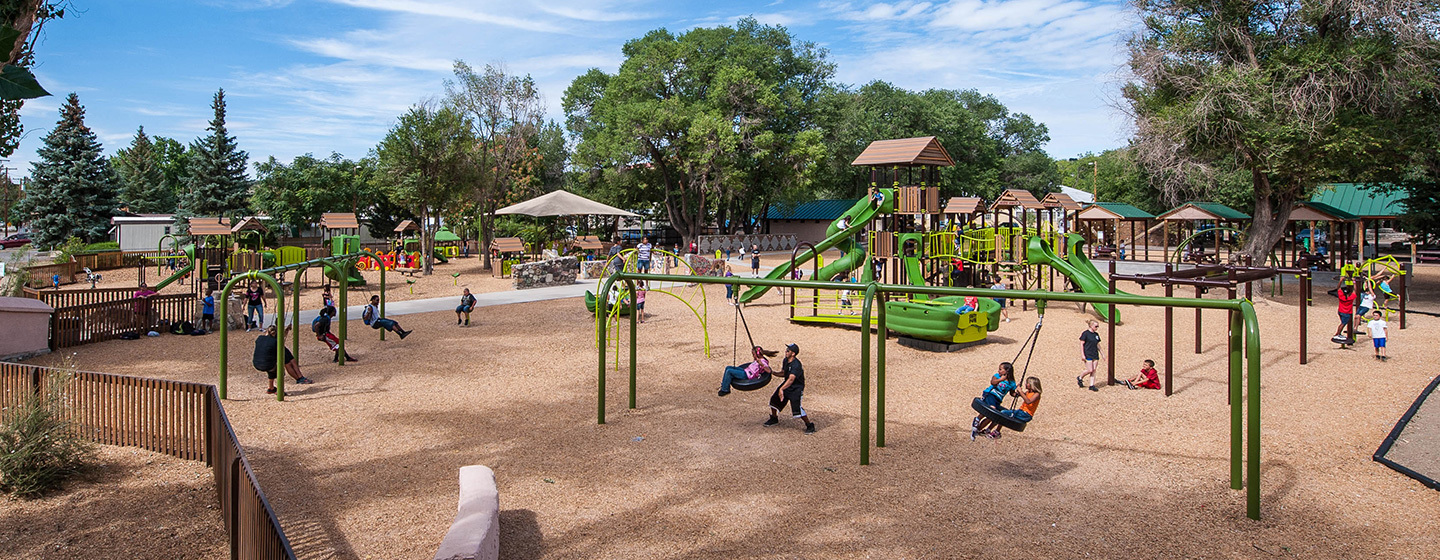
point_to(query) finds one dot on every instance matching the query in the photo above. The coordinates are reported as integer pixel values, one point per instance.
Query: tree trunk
(427, 236)
(1267, 226)
(487, 234)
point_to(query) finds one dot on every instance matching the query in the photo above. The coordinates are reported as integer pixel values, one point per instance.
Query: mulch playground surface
(363, 463)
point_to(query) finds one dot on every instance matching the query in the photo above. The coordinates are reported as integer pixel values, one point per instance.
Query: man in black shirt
(791, 390)
(264, 359)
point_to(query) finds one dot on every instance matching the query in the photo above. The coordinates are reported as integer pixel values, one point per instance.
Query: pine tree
(142, 180)
(215, 183)
(72, 188)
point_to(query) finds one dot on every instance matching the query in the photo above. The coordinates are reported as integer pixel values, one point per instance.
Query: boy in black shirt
(791, 390)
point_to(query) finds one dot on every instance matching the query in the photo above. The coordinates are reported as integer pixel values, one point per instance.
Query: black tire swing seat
(993, 414)
(752, 384)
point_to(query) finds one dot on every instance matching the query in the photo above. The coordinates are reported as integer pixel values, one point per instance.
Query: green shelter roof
(445, 235)
(1361, 200)
(1204, 211)
(1121, 209)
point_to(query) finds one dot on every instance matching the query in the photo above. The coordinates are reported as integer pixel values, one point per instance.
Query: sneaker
(722, 393)
(973, 433)
(457, 321)
(1094, 388)
(994, 434)
(975, 423)
(810, 428)
(350, 358)
(404, 334)
(467, 322)
(772, 421)
(270, 391)
(1078, 382)
(304, 381)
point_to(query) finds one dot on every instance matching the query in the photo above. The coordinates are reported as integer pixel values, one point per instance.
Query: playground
(362, 463)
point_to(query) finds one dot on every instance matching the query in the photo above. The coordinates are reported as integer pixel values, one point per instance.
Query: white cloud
(459, 11)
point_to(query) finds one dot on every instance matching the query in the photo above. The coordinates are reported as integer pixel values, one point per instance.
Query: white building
(143, 232)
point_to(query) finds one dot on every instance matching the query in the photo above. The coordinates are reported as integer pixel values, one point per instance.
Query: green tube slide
(189, 251)
(853, 254)
(1078, 269)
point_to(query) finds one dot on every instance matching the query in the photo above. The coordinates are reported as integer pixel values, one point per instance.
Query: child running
(1148, 378)
(1377, 328)
(1029, 401)
(371, 316)
(1090, 347)
(467, 304)
(1001, 384)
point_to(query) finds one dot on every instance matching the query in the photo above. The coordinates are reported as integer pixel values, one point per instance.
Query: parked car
(16, 240)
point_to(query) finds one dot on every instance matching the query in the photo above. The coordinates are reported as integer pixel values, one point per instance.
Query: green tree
(26, 18)
(174, 159)
(215, 182)
(1295, 94)
(506, 112)
(296, 195)
(72, 188)
(427, 163)
(714, 123)
(141, 178)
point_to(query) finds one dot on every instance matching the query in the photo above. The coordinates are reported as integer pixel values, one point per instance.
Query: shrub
(68, 249)
(39, 448)
(101, 247)
(17, 274)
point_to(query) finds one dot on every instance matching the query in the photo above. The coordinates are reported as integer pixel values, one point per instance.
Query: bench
(1428, 256)
(1104, 252)
(475, 534)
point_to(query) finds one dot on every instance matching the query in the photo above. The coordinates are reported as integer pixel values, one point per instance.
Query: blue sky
(332, 75)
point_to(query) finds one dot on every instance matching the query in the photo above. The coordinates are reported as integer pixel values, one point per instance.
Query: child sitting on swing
(751, 370)
(1001, 384)
(1029, 401)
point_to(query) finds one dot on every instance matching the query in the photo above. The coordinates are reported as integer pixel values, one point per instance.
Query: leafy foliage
(39, 447)
(296, 195)
(717, 121)
(1294, 93)
(72, 187)
(425, 164)
(215, 182)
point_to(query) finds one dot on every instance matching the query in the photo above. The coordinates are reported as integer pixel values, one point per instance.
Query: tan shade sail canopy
(564, 203)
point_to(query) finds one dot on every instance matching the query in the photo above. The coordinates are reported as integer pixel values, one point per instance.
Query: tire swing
(746, 384)
(993, 414)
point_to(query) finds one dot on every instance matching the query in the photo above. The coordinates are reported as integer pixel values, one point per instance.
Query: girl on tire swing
(1001, 383)
(752, 370)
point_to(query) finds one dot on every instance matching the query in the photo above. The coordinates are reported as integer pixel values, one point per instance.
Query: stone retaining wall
(554, 272)
(767, 242)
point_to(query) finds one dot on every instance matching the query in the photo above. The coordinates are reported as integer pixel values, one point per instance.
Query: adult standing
(142, 305)
(642, 255)
(791, 390)
(254, 307)
(264, 360)
(615, 264)
(1090, 348)
(467, 304)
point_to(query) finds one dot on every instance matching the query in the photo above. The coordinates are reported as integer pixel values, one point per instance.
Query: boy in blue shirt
(207, 311)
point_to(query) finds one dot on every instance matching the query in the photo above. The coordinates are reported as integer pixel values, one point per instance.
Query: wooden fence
(94, 322)
(179, 419)
(68, 298)
(111, 260)
(41, 274)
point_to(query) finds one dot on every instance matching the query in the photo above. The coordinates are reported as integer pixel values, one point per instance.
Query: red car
(16, 240)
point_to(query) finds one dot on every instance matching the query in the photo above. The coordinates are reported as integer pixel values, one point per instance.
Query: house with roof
(807, 221)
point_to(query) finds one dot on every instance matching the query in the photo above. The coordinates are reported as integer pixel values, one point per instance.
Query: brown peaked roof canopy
(339, 220)
(209, 226)
(1060, 200)
(1018, 197)
(407, 226)
(964, 205)
(251, 223)
(925, 150)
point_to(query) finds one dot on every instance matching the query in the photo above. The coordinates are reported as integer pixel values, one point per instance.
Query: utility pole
(1094, 174)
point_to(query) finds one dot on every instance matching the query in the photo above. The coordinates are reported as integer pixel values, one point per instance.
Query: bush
(101, 247)
(68, 249)
(39, 448)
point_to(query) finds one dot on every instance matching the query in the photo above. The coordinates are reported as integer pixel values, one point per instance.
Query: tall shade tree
(72, 188)
(142, 180)
(427, 164)
(506, 112)
(1295, 93)
(215, 182)
(711, 124)
(295, 195)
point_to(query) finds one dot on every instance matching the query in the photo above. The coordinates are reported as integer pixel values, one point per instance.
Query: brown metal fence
(179, 419)
(94, 322)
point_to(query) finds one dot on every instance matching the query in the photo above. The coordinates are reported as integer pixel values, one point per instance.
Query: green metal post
(880, 381)
(1235, 411)
(630, 285)
(341, 272)
(602, 310)
(1252, 410)
(279, 332)
(865, 373)
(295, 313)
